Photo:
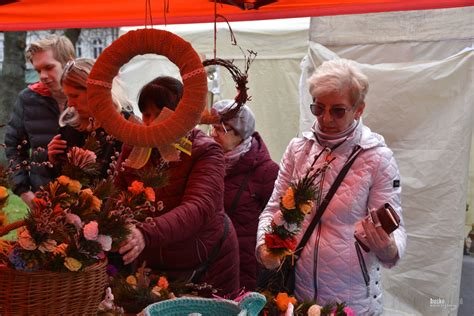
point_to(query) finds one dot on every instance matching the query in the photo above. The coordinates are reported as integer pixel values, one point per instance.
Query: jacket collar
(362, 136)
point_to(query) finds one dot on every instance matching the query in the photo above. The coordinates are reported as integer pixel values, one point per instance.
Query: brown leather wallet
(385, 215)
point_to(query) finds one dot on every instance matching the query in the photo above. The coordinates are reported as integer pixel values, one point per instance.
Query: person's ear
(359, 110)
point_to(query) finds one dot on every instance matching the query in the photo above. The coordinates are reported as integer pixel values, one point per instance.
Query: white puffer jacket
(328, 269)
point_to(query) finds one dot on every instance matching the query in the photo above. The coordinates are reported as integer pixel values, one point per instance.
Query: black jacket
(33, 124)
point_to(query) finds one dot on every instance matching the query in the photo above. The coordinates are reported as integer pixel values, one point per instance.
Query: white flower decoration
(292, 228)
(105, 241)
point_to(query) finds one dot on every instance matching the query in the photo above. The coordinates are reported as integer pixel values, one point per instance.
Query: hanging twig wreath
(123, 49)
(240, 80)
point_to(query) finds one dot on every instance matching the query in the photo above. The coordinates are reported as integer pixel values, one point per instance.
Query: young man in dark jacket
(34, 120)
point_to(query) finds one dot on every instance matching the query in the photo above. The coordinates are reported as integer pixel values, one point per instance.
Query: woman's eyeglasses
(221, 128)
(336, 112)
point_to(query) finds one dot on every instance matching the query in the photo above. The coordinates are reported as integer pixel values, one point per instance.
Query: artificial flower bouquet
(138, 290)
(281, 236)
(62, 243)
(67, 229)
(71, 223)
(56, 266)
(138, 203)
(297, 202)
(283, 304)
(78, 217)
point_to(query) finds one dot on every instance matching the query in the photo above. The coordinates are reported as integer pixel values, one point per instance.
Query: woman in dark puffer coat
(192, 226)
(250, 170)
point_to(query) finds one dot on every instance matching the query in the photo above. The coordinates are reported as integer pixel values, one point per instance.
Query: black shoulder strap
(326, 200)
(204, 266)
(236, 199)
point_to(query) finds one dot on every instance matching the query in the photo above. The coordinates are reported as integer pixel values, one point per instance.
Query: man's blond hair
(61, 46)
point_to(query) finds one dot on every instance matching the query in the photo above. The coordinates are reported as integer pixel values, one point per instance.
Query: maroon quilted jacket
(192, 222)
(255, 195)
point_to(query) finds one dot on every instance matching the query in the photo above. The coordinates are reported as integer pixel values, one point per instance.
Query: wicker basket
(52, 293)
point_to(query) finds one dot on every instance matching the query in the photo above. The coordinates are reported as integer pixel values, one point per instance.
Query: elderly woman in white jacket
(328, 268)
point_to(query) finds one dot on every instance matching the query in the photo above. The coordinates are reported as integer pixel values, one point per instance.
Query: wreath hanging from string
(139, 42)
(240, 80)
(239, 77)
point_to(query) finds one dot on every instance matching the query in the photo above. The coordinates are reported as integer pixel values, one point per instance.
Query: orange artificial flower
(282, 300)
(73, 186)
(60, 250)
(3, 193)
(3, 219)
(288, 199)
(163, 282)
(95, 202)
(150, 194)
(136, 187)
(131, 280)
(39, 203)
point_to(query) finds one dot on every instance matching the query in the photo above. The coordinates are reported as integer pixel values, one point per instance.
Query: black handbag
(283, 278)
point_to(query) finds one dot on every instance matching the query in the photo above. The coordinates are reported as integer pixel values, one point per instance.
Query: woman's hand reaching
(132, 246)
(56, 147)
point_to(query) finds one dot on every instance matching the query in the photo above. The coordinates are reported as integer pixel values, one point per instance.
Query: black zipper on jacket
(316, 251)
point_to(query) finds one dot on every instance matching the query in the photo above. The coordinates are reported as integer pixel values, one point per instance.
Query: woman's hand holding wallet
(373, 232)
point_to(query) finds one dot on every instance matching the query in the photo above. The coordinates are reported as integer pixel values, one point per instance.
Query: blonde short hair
(339, 75)
(62, 47)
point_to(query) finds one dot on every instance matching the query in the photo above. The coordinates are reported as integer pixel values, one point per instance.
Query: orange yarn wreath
(139, 42)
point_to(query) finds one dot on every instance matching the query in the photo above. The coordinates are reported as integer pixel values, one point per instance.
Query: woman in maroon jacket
(249, 179)
(191, 239)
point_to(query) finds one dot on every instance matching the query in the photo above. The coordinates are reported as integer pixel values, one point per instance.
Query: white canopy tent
(420, 67)
(420, 99)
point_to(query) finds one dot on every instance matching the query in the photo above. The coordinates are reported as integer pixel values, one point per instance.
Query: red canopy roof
(18, 15)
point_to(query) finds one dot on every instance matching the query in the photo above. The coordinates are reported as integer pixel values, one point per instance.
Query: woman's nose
(326, 116)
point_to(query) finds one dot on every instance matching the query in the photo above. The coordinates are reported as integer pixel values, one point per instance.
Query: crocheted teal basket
(250, 305)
